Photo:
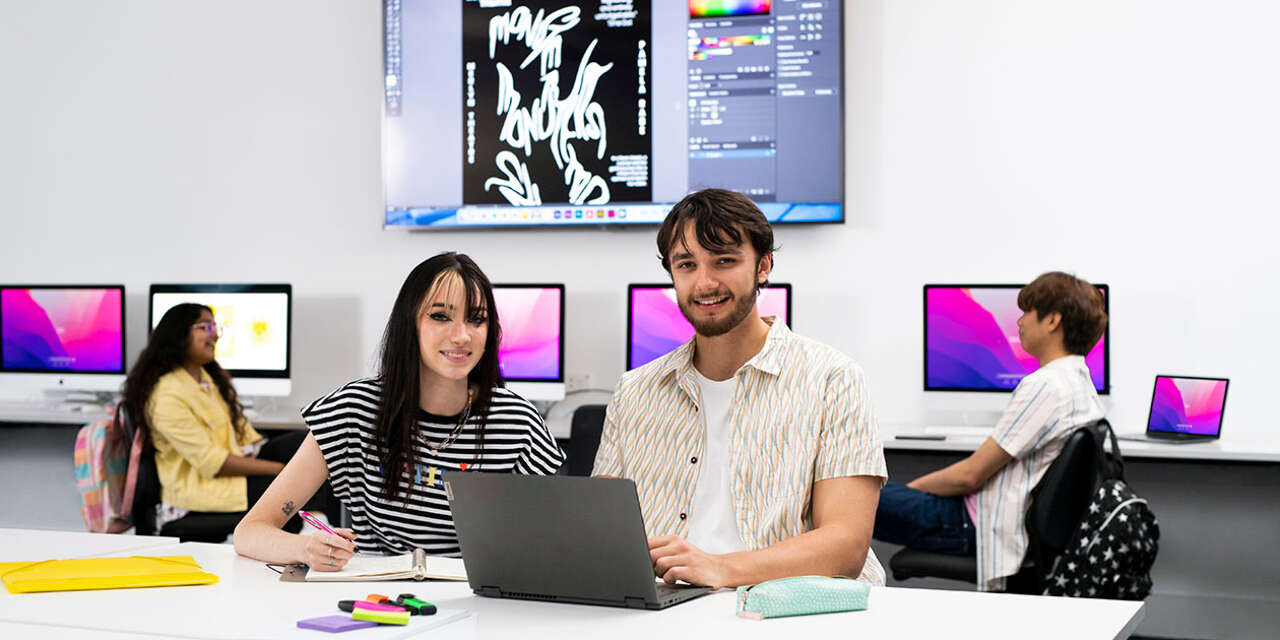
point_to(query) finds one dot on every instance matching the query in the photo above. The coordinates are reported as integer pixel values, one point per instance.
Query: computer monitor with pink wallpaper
(971, 340)
(61, 338)
(531, 354)
(656, 326)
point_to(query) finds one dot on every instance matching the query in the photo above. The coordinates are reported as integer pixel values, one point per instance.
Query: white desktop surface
(46, 413)
(18, 545)
(1230, 448)
(249, 601)
(275, 417)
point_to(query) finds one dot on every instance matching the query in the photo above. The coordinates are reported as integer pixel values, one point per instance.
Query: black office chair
(1057, 506)
(584, 438)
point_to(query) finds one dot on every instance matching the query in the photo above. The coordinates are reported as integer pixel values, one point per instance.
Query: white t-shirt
(713, 524)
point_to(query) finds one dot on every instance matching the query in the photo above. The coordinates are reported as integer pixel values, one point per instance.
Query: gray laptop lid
(552, 537)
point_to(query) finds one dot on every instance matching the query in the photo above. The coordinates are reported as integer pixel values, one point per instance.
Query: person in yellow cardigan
(208, 456)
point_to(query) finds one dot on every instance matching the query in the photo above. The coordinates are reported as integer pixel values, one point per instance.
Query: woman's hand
(327, 552)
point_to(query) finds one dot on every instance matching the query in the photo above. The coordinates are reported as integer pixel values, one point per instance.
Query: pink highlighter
(376, 606)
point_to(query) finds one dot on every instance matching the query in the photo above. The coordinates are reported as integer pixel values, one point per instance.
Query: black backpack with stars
(1111, 554)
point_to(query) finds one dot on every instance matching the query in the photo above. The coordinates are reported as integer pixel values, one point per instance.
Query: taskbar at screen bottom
(571, 215)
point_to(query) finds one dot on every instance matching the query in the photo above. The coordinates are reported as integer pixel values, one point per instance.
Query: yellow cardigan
(191, 428)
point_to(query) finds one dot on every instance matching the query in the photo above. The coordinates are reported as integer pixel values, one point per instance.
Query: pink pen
(315, 522)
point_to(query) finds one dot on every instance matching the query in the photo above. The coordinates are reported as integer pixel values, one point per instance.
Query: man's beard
(712, 328)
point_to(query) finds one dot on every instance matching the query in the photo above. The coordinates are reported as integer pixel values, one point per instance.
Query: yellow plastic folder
(103, 573)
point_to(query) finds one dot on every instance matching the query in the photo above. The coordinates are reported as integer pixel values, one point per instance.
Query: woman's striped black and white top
(515, 441)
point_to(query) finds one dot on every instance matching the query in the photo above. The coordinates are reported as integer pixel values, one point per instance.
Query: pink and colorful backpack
(106, 460)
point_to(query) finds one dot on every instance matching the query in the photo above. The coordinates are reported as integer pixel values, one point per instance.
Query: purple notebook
(334, 624)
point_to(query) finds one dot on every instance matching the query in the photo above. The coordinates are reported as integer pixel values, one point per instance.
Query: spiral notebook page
(368, 566)
(371, 567)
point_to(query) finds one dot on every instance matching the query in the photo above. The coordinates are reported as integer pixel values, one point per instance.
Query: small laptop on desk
(558, 539)
(1185, 409)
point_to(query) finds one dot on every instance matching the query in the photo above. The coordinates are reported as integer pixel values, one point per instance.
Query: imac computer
(531, 354)
(656, 326)
(971, 340)
(971, 345)
(60, 338)
(255, 321)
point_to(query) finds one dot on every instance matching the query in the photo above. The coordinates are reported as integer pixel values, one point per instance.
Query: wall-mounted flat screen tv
(538, 113)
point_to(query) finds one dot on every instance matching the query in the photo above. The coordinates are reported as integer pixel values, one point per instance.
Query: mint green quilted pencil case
(802, 596)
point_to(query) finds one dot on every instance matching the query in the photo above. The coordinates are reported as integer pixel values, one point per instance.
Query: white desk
(1231, 448)
(43, 413)
(1216, 502)
(249, 601)
(275, 417)
(17, 545)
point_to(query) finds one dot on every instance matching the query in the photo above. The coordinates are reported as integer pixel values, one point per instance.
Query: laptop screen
(1190, 405)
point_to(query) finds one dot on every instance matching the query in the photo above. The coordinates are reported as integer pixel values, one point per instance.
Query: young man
(978, 505)
(755, 451)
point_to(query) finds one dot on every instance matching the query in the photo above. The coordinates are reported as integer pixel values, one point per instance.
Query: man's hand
(675, 559)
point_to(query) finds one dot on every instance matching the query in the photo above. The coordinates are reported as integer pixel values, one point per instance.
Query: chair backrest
(1059, 500)
(584, 438)
(146, 494)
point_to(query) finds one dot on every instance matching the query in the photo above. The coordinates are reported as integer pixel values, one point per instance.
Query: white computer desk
(1216, 505)
(250, 602)
(274, 417)
(1245, 447)
(17, 545)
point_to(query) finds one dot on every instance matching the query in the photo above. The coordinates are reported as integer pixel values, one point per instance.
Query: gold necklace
(457, 430)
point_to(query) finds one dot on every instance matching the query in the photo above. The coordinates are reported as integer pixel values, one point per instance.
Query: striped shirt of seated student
(436, 407)
(977, 506)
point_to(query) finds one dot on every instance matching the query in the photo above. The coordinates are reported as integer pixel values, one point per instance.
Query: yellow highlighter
(381, 617)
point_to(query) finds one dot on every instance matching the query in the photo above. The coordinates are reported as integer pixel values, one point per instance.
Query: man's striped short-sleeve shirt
(801, 413)
(1047, 405)
(515, 441)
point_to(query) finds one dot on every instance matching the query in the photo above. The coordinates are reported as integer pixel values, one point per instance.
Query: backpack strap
(131, 476)
(1110, 463)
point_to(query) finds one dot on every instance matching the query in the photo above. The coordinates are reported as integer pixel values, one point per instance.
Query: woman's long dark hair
(396, 425)
(166, 350)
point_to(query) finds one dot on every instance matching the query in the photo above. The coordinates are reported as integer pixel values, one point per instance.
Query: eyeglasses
(210, 328)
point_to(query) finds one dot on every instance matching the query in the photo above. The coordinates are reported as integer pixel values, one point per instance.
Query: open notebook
(410, 566)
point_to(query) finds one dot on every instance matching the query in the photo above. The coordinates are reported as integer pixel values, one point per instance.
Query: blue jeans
(923, 522)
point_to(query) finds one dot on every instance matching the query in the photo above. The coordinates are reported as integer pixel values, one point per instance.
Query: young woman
(208, 457)
(385, 443)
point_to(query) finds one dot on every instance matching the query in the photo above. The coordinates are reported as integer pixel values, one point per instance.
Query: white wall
(1132, 142)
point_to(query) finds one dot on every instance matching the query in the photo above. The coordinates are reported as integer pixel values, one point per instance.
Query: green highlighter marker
(414, 605)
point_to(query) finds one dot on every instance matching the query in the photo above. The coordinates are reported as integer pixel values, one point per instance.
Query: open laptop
(1185, 409)
(557, 538)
